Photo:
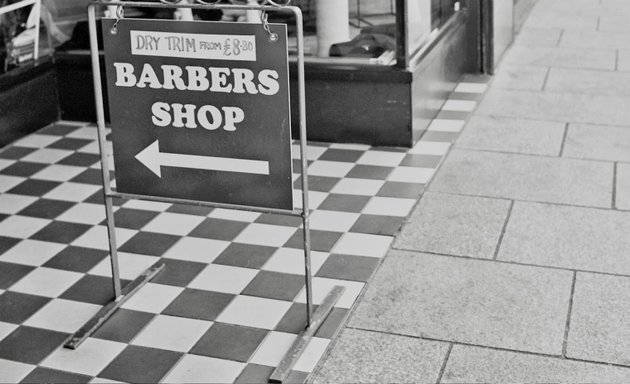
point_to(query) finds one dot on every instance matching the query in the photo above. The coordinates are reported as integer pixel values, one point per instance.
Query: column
(332, 24)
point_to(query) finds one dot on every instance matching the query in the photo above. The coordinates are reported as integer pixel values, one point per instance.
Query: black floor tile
(99, 199)
(425, 161)
(46, 208)
(89, 176)
(79, 159)
(344, 203)
(76, 259)
(283, 220)
(255, 374)
(17, 307)
(401, 190)
(294, 321)
(190, 209)
(218, 229)
(30, 345)
(229, 342)
(10, 273)
(124, 325)
(344, 155)
(7, 243)
(199, 304)
(178, 272)
(58, 129)
(140, 365)
(15, 152)
(149, 243)
(61, 232)
(23, 169)
(34, 187)
(443, 137)
(345, 267)
(92, 289)
(372, 172)
(317, 183)
(320, 240)
(70, 143)
(133, 218)
(335, 320)
(245, 255)
(42, 375)
(275, 285)
(378, 225)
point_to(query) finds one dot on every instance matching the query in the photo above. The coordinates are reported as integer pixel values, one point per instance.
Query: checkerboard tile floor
(231, 299)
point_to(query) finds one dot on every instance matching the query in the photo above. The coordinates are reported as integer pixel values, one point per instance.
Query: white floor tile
(202, 369)
(329, 168)
(315, 198)
(459, 105)
(350, 146)
(172, 333)
(389, 206)
(291, 260)
(273, 348)
(96, 237)
(254, 312)
(363, 244)
(312, 354)
(14, 372)
(471, 87)
(322, 286)
(88, 133)
(173, 223)
(312, 152)
(21, 227)
(361, 187)
(84, 213)
(63, 315)
(72, 192)
(10, 203)
(153, 298)
(223, 278)
(333, 220)
(47, 155)
(265, 234)
(411, 175)
(7, 182)
(430, 148)
(36, 140)
(443, 125)
(47, 282)
(147, 205)
(5, 330)
(6, 162)
(32, 252)
(196, 249)
(57, 172)
(89, 359)
(381, 158)
(131, 265)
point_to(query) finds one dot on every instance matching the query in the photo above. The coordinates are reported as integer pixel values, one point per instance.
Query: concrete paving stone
(539, 18)
(482, 365)
(569, 237)
(470, 301)
(370, 357)
(623, 63)
(562, 57)
(614, 23)
(600, 142)
(592, 82)
(538, 36)
(524, 177)
(504, 134)
(556, 106)
(622, 200)
(455, 225)
(595, 39)
(599, 330)
(530, 78)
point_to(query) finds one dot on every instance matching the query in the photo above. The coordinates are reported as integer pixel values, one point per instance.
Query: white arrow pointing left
(153, 159)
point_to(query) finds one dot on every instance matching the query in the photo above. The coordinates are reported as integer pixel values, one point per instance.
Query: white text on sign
(193, 46)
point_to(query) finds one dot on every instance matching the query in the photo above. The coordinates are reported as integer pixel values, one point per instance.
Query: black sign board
(200, 111)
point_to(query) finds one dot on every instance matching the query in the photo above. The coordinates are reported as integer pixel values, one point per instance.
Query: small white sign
(193, 46)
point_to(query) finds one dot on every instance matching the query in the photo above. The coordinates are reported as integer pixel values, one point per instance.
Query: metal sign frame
(314, 319)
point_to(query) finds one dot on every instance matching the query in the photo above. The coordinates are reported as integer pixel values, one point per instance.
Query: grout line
(501, 349)
(443, 368)
(546, 79)
(564, 139)
(507, 219)
(614, 186)
(568, 323)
